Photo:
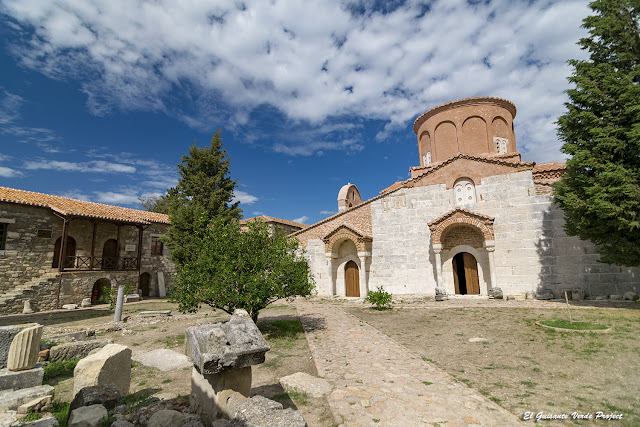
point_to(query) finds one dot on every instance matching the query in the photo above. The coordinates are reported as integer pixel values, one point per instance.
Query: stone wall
(26, 270)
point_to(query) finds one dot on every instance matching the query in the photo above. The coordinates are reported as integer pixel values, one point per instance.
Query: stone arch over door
(458, 231)
(344, 245)
(98, 290)
(110, 254)
(69, 256)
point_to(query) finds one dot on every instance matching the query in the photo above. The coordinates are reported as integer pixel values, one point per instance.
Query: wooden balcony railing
(86, 263)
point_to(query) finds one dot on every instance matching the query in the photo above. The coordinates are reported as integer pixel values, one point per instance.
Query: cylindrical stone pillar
(119, 301)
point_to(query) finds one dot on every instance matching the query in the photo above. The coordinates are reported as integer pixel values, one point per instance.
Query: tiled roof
(73, 207)
(549, 166)
(266, 218)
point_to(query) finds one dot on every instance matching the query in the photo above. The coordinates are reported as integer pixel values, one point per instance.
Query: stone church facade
(55, 250)
(472, 217)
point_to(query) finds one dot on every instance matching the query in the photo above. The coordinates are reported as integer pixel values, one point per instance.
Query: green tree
(157, 204)
(234, 269)
(204, 193)
(600, 193)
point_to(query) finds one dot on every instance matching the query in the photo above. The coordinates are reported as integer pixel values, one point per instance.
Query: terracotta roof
(266, 218)
(505, 103)
(392, 187)
(463, 211)
(495, 160)
(351, 229)
(73, 207)
(549, 166)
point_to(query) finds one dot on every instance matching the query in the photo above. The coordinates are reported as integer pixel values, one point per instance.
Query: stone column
(329, 257)
(364, 283)
(437, 248)
(490, 246)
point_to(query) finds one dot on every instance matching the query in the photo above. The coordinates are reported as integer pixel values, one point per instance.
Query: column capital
(490, 245)
(364, 254)
(437, 247)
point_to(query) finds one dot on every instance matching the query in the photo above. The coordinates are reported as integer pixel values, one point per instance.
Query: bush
(110, 294)
(59, 369)
(380, 298)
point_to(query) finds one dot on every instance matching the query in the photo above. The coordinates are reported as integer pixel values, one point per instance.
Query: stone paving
(378, 382)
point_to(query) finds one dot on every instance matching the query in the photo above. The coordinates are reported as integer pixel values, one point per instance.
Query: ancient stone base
(11, 399)
(15, 380)
(206, 390)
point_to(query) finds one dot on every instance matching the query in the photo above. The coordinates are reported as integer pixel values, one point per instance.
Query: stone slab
(163, 359)
(75, 350)
(156, 313)
(15, 380)
(260, 411)
(35, 404)
(108, 365)
(70, 306)
(11, 399)
(44, 422)
(88, 416)
(301, 382)
(228, 345)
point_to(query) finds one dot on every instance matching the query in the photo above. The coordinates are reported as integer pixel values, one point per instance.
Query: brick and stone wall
(532, 251)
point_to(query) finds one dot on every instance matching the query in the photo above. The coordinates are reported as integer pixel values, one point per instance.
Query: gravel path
(378, 382)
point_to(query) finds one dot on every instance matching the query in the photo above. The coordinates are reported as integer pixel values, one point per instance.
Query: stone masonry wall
(532, 251)
(26, 263)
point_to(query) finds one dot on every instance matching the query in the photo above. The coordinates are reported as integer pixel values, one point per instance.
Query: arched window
(465, 191)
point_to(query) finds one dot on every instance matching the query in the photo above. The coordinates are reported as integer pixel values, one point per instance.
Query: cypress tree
(600, 193)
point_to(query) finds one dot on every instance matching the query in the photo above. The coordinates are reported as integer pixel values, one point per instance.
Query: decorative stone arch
(461, 216)
(344, 232)
(464, 218)
(336, 263)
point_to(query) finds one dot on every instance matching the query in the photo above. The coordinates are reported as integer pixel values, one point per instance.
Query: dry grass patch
(523, 367)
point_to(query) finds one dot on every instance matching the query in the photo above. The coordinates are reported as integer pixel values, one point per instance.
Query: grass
(172, 340)
(59, 369)
(59, 411)
(574, 326)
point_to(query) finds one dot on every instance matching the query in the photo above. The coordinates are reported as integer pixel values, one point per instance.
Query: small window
(501, 144)
(426, 159)
(156, 246)
(3, 235)
(44, 234)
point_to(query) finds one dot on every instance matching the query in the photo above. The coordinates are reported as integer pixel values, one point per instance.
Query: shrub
(110, 294)
(380, 298)
(59, 369)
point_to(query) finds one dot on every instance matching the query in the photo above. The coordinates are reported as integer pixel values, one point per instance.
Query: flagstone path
(378, 382)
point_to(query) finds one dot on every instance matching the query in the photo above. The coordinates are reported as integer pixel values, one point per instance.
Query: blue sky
(100, 99)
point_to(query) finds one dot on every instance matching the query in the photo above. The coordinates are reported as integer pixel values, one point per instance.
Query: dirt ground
(523, 367)
(288, 354)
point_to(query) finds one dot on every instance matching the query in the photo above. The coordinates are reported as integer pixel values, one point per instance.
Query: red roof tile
(73, 207)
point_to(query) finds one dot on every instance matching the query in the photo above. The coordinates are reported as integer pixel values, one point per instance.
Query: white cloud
(113, 198)
(97, 166)
(328, 212)
(243, 197)
(312, 61)
(76, 194)
(6, 172)
(257, 213)
(302, 220)
(10, 105)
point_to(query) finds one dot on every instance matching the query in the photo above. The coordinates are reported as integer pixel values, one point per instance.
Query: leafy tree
(600, 193)
(204, 193)
(157, 204)
(234, 269)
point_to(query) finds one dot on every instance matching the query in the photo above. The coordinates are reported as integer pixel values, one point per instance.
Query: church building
(473, 216)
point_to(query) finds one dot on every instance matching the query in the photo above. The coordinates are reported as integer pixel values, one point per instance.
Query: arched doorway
(110, 254)
(351, 279)
(465, 274)
(69, 256)
(145, 280)
(98, 291)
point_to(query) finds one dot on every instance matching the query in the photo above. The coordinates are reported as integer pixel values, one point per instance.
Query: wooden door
(456, 280)
(352, 279)
(69, 258)
(145, 278)
(110, 254)
(471, 274)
